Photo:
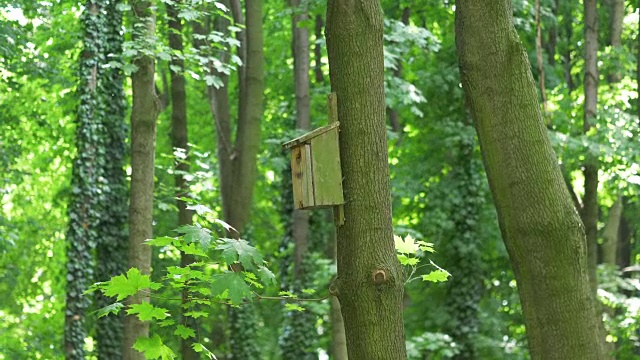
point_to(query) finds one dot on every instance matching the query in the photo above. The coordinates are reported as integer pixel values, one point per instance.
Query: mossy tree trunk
(541, 229)
(143, 139)
(370, 280)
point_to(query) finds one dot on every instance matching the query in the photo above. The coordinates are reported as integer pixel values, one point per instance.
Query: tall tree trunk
(617, 19)
(143, 139)
(297, 340)
(553, 35)
(539, 225)
(589, 212)
(237, 158)
(625, 235)
(180, 142)
(610, 233)
(338, 337)
(303, 120)
(112, 244)
(370, 281)
(567, 26)
(238, 204)
(317, 50)
(543, 91)
(87, 171)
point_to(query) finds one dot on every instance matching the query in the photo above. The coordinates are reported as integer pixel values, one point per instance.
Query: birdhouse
(315, 168)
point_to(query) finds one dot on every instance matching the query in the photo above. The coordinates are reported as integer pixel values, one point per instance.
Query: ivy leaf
(239, 250)
(160, 241)
(123, 286)
(154, 348)
(184, 332)
(196, 234)
(233, 283)
(406, 246)
(266, 276)
(109, 309)
(147, 312)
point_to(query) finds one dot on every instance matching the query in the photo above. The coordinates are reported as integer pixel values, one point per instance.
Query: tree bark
(540, 227)
(301, 69)
(180, 142)
(610, 233)
(370, 281)
(237, 158)
(567, 27)
(589, 212)
(617, 19)
(144, 113)
(317, 50)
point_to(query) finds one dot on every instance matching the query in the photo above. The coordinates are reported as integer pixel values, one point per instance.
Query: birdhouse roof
(310, 135)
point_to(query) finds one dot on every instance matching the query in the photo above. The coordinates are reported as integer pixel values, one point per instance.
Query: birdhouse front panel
(327, 174)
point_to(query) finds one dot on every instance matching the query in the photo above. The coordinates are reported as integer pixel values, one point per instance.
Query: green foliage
(209, 281)
(411, 251)
(154, 348)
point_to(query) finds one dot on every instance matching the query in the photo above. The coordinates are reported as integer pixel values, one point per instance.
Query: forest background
(54, 55)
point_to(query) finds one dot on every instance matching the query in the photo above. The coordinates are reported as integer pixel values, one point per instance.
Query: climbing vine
(112, 242)
(84, 213)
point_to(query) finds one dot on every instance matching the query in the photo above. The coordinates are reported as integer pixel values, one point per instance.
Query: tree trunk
(553, 35)
(539, 225)
(180, 142)
(237, 159)
(303, 119)
(617, 19)
(610, 234)
(589, 213)
(112, 243)
(82, 233)
(567, 27)
(338, 337)
(370, 281)
(317, 51)
(298, 338)
(144, 113)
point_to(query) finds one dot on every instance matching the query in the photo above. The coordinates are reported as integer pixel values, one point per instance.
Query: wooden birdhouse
(315, 165)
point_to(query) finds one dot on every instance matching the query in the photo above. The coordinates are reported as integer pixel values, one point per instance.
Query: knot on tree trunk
(379, 276)
(334, 287)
